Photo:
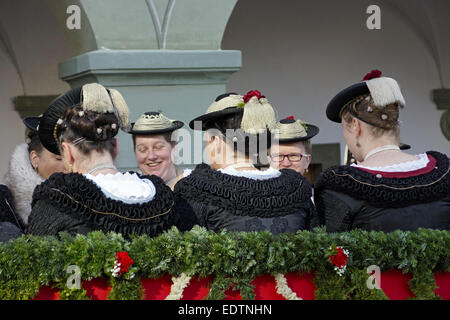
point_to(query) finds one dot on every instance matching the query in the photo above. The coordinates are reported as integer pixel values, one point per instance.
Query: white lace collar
(125, 187)
(407, 166)
(252, 174)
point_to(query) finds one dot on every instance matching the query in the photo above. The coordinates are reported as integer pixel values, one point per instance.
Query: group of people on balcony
(64, 177)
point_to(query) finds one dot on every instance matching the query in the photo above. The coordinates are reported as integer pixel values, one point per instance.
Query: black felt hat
(224, 105)
(48, 126)
(154, 123)
(404, 146)
(383, 91)
(92, 97)
(258, 115)
(32, 123)
(291, 130)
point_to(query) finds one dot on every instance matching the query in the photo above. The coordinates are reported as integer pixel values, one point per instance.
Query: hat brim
(205, 118)
(32, 123)
(311, 131)
(404, 146)
(342, 98)
(55, 111)
(175, 125)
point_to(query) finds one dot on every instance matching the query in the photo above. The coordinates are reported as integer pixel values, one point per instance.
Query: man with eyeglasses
(294, 148)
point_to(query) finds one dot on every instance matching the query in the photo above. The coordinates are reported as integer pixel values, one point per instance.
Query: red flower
(339, 259)
(125, 261)
(251, 94)
(372, 75)
(290, 118)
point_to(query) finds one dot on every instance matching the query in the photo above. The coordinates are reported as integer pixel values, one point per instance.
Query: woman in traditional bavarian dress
(231, 193)
(81, 126)
(155, 141)
(29, 166)
(385, 189)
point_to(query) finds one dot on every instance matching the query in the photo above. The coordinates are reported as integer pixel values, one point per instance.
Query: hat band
(151, 126)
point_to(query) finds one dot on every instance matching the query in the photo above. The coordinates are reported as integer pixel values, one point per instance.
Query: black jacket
(223, 201)
(75, 204)
(7, 210)
(347, 198)
(11, 226)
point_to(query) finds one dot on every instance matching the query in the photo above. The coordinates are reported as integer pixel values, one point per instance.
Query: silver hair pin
(99, 130)
(78, 141)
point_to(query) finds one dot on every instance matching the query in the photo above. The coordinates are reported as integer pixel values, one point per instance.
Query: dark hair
(97, 129)
(251, 143)
(33, 141)
(363, 109)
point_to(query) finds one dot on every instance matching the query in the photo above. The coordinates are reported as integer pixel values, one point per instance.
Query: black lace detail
(279, 225)
(246, 197)
(81, 199)
(389, 192)
(254, 224)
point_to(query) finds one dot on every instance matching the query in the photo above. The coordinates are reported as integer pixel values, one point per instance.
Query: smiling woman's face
(153, 156)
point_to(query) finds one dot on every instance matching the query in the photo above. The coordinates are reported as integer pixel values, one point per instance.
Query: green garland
(232, 258)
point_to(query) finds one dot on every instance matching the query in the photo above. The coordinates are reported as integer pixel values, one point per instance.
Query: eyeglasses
(294, 157)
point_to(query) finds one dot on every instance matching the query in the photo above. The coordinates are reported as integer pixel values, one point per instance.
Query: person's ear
(67, 154)
(356, 127)
(308, 161)
(34, 159)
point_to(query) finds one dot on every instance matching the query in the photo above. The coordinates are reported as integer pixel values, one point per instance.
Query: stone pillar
(441, 98)
(182, 83)
(162, 54)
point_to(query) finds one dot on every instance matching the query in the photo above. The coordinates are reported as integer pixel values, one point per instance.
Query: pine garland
(233, 259)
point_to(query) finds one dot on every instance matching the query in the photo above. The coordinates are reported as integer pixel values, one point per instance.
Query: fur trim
(21, 179)
(385, 91)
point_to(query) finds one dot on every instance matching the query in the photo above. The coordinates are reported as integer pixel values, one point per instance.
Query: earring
(70, 168)
(306, 170)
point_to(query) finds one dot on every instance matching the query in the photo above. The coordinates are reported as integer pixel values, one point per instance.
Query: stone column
(441, 98)
(161, 54)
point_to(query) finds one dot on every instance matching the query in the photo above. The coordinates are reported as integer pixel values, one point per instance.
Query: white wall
(39, 46)
(301, 53)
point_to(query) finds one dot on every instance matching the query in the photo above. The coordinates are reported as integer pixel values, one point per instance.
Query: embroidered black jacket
(75, 204)
(347, 197)
(221, 201)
